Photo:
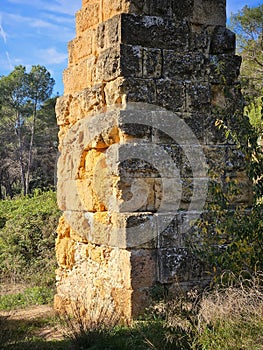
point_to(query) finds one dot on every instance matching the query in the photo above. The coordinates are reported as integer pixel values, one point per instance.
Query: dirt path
(36, 313)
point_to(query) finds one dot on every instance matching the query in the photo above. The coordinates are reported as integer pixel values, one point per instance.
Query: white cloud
(11, 67)
(60, 32)
(66, 7)
(59, 19)
(39, 23)
(51, 56)
(3, 34)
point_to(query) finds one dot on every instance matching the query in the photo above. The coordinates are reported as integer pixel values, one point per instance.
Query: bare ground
(35, 313)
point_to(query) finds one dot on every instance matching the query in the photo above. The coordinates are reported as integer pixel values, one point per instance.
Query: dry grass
(228, 317)
(244, 300)
(231, 317)
(89, 320)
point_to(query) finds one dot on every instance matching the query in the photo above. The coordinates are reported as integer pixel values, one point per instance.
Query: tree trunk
(30, 151)
(20, 154)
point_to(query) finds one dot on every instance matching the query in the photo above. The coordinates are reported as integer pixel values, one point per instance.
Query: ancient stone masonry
(139, 149)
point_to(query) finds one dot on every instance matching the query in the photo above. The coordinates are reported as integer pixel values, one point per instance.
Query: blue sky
(37, 31)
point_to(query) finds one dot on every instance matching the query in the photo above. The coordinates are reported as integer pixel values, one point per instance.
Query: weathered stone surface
(170, 94)
(224, 68)
(184, 66)
(88, 16)
(209, 12)
(140, 153)
(223, 41)
(81, 47)
(154, 32)
(143, 278)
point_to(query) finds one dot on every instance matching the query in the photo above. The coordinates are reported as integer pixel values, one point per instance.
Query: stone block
(153, 8)
(79, 225)
(131, 59)
(137, 168)
(172, 265)
(81, 47)
(143, 278)
(133, 230)
(154, 32)
(62, 109)
(189, 159)
(170, 94)
(136, 195)
(65, 250)
(178, 266)
(123, 60)
(188, 222)
(223, 41)
(91, 285)
(224, 68)
(179, 128)
(108, 33)
(133, 131)
(79, 77)
(209, 12)
(86, 102)
(123, 90)
(107, 65)
(195, 122)
(168, 233)
(152, 63)
(199, 39)
(143, 268)
(139, 90)
(183, 66)
(88, 16)
(67, 165)
(182, 8)
(198, 96)
(114, 93)
(113, 7)
(68, 196)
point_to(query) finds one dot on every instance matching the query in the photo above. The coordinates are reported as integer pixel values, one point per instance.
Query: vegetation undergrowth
(27, 239)
(225, 317)
(30, 296)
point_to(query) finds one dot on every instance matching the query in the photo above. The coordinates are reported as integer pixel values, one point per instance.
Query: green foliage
(247, 24)
(31, 296)
(232, 335)
(27, 238)
(27, 130)
(230, 236)
(234, 242)
(255, 112)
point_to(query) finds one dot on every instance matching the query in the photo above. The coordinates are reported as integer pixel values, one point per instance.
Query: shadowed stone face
(210, 12)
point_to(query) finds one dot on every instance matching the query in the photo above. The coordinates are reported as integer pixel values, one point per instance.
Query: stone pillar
(145, 83)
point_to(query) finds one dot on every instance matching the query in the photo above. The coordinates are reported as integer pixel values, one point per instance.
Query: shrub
(27, 238)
